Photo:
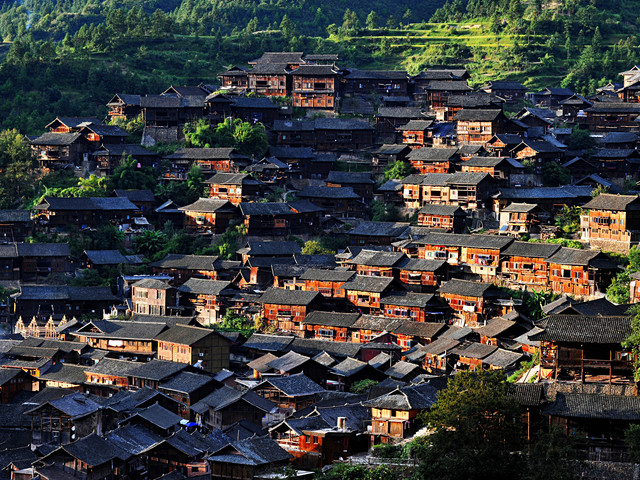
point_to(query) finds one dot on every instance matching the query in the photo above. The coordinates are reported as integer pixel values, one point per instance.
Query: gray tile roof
(585, 329)
(531, 250)
(606, 201)
(474, 350)
(159, 416)
(20, 216)
(348, 367)
(252, 451)
(574, 256)
(594, 406)
(288, 362)
(184, 334)
(43, 249)
(527, 394)
(468, 288)
(379, 229)
(418, 329)
(440, 346)
(93, 450)
(419, 397)
(53, 138)
(327, 192)
(186, 382)
(294, 385)
(111, 366)
(208, 205)
(402, 369)
(266, 208)
(448, 210)
(67, 373)
(366, 283)
(331, 319)
(106, 257)
(311, 347)
(327, 275)
(261, 364)
(157, 370)
(273, 248)
(204, 286)
(186, 262)
(86, 203)
(280, 296)
(502, 358)
(373, 258)
(458, 240)
(268, 343)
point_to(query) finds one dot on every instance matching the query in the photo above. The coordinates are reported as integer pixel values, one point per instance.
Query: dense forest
(68, 57)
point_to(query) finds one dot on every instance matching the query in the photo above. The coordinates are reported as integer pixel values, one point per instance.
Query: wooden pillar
(582, 363)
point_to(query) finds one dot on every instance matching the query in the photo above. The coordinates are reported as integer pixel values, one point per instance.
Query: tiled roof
(348, 367)
(350, 178)
(273, 248)
(366, 283)
(184, 334)
(331, 319)
(421, 265)
(208, 205)
(268, 343)
(474, 350)
(402, 369)
(531, 250)
(374, 258)
(106, 257)
(204, 286)
(157, 370)
(419, 397)
(503, 358)
(466, 288)
(186, 382)
(607, 201)
(186, 262)
(288, 362)
(585, 329)
(327, 275)
(311, 347)
(281, 296)
(594, 406)
(327, 192)
(43, 249)
(295, 385)
(418, 329)
(477, 115)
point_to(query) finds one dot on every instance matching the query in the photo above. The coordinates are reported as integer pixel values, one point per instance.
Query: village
(510, 218)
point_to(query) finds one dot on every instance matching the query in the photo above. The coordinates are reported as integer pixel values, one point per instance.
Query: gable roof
(184, 334)
(209, 205)
(595, 406)
(375, 258)
(252, 451)
(186, 262)
(585, 329)
(281, 296)
(531, 250)
(204, 286)
(365, 283)
(607, 201)
(419, 397)
(289, 361)
(294, 385)
(468, 288)
(379, 229)
(105, 257)
(331, 319)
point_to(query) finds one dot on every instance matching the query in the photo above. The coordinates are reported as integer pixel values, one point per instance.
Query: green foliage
(598, 190)
(634, 258)
(344, 471)
(130, 175)
(363, 386)
(383, 212)
(569, 219)
(313, 247)
(5, 293)
(236, 323)
(632, 342)
(580, 140)
(93, 278)
(387, 450)
(553, 174)
(476, 430)
(150, 243)
(552, 456)
(246, 138)
(632, 437)
(618, 291)
(397, 170)
(133, 127)
(17, 169)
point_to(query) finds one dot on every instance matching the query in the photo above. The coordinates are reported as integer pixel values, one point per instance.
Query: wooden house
(109, 156)
(421, 275)
(342, 376)
(62, 420)
(550, 97)
(298, 159)
(329, 325)
(580, 168)
(433, 160)
(15, 225)
(38, 260)
(291, 393)
(57, 213)
(234, 78)
(468, 190)
(500, 168)
(337, 134)
(183, 267)
(149, 374)
(410, 333)
(437, 92)
(235, 187)
(210, 161)
(539, 152)
(394, 416)
(475, 126)
(187, 388)
(573, 107)
(415, 133)
(247, 459)
(387, 154)
(512, 92)
(502, 144)
(268, 219)
(472, 302)
(59, 150)
(580, 272)
(70, 124)
(365, 292)
(609, 116)
(326, 281)
(476, 100)
(125, 338)
(286, 309)
(153, 297)
(449, 218)
(341, 202)
(201, 347)
(361, 183)
(109, 376)
(613, 222)
(520, 218)
(44, 301)
(586, 348)
(368, 327)
(255, 110)
(388, 119)
(209, 215)
(471, 355)
(97, 135)
(526, 264)
(371, 233)
(437, 355)
(375, 82)
(616, 162)
(426, 77)
(270, 79)
(206, 297)
(124, 106)
(12, 382)
(217, 107)
(315, 86)
(376, 263)
(279, 249)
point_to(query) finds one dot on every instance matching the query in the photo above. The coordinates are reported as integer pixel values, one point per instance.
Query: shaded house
(98, 134)
(386, 154)
(340, 202)
(103, 258)
(580, 272)
(472, 301)
(206, 297)
(580, 168)
(37, 260)
(376, 233)
(586, 348)
(156, 418)
(433, 160)
(437, 357)
(375, 82)
(210, 161)
(500, 168)
(613, 222)
(235, 187)
(281, 249)
(550, 97)
(394, 416)
(57, 301)
(201, 347)
(538, 151)
(503, 359)
(326, 281)
(404, 371)
(525, 263)
(270, 170)
(415, 133)
(90, 457)
(616, 162)
(183, 267)
(361, 183)
(279, 218)
(151, 373)
(550, 199)
(426, 77)
(59, 150)
(316, 86)
(502, 144)
(225, 406)
(476, 100)
(510, 91)
(255, 110)
(88, 212)
(15, 225)
(449, 218)
(376, 263)
(299, 159)
(437, 92)
(234, 78)
(290, 393)
(471, 355)
(415, 306)
(124, 106)
(292, 363)
(342, 376)
(325, 134)
(109, 156)
(411, 333)
(574, 106)
(365, 291)
(209, 215)
(187, 388)
(108, 376)
(244, 459)
(476, 126)
(69, 417)
(287, 308)
(388, 119)
(12, 382)
(329, 325)
(609, 116)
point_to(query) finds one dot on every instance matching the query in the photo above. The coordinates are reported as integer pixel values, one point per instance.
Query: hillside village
(395, 231)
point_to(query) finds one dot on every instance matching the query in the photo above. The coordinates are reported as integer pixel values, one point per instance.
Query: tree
(397, 170)
(350, 23)
(553, 174)
(17, 169)
(315, 247)
(580, 140)
(598, 190)
(552, 456)
(477, 431)
(288, 28)
(618, 291)
(569, 219)
(383, 212)
(131, 175)
(149, 243)
(632, 343)
(372, 20)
